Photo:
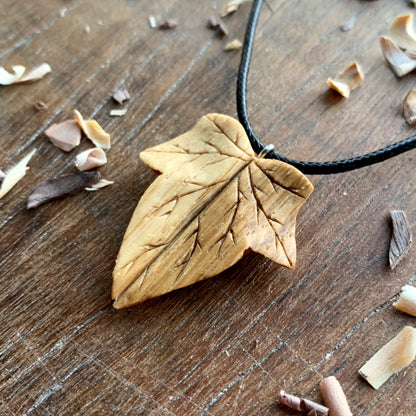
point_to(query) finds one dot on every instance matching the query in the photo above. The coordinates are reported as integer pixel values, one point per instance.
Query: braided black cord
(311, 168)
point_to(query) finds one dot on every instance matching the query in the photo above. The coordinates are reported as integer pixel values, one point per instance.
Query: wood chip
(233, 45)
(93, 131)
(349, 24)
(334, 397)
(391, 358)
(231, 7)
(15, 174)
(120, 95)
(302, 405)
(409, 107)
(99, 185)
(118, 112)
(407, 300)
(90, 159)
(347, 80)
(152, 22)
(61, 187)
(169, 24)
(65, 135)
(40, 106)
(212, 23)
(401, 238)
(399, 62)
(222, 30)
(402, 33)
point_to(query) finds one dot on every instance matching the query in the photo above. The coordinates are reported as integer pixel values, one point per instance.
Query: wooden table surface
(225, 346)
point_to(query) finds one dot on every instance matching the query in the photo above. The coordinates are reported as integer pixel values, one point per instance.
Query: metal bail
(269, 148)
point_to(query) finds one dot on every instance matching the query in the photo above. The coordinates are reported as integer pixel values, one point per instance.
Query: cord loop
(311, 168)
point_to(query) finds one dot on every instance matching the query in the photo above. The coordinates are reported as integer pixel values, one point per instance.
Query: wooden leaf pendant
(214, 201)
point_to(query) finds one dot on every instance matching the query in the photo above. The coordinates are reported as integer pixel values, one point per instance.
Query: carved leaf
(214, 201)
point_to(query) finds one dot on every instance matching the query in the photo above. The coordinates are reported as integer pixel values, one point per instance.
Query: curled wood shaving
(7, 78)
(61, 187)
(90, 159)
(334, 397)
(65, 135)
(15, 174)
(347, 80)
(19, 76)
(99, 185)
(93, 131)
(397, 354)
(233, 45)
(402, 33)
(400, 63)
(407, 300)
(409, 107)
(41, 106)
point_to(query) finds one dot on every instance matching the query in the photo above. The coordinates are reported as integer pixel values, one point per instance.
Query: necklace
(221, 193)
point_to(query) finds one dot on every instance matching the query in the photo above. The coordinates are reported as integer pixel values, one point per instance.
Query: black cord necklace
(311, 168)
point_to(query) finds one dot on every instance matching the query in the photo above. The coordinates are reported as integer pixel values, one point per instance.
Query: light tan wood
(214, 201)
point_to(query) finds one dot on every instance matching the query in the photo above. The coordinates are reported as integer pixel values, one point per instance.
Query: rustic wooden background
(225, 346)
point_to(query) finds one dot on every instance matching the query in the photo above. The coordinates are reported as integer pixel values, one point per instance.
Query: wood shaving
(347, 80)
(334, 397)
(152, 22)
(99, 185)
(18, 76)
(400, 63)
(409, 107)
(212, 23)
(7, 78)
(231, 7)
(36, 73)
(222, 30)
(400, 239)
(61, 187)
(407, 300)
(120, 95)
(303, 405)
(90, 159)
(93, 131)
(169, 24)
(402, 33)
(15, 174)
(349, 24)
(65, 135)
(87, 28)
(233, 45)
(40, 106)
(391, 358)
(118, 112)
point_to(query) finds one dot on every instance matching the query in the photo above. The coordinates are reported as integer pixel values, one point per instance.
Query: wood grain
(228, 345)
